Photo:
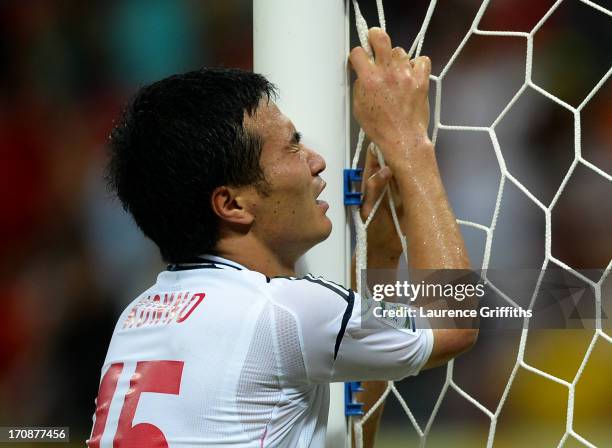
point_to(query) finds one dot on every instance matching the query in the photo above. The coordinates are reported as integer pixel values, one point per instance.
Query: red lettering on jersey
(189, 307)
(168, 299)
(144, 314)
(182, 297)
(153, 310)
(163, 316)
(130, 320)
(158, 310)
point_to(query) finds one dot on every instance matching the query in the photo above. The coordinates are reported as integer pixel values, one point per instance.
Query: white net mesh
(489, 230)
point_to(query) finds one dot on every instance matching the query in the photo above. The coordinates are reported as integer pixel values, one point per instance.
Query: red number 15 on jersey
(162, 377)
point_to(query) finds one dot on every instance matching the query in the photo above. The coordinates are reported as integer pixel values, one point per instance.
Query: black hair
(177, 140)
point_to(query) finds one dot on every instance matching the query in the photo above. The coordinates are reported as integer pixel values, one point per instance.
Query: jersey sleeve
(339, 338)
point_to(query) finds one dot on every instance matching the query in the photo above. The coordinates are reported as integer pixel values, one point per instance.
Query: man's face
(289, 218)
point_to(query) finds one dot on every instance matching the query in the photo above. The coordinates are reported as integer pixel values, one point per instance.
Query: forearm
(434, 238)
(390, 102)
(434, 242)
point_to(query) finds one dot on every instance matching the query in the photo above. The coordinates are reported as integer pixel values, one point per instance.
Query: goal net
(512, 180)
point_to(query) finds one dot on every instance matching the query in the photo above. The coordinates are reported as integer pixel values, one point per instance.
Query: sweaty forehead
(269, 123)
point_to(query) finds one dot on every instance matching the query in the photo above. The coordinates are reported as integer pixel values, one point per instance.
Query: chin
(327, 230)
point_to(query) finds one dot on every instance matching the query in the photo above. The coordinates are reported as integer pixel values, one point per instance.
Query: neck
(256, 256)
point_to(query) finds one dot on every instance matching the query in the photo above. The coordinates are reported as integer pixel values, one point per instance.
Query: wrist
(417, 167)
(399, 145)
(408, 156)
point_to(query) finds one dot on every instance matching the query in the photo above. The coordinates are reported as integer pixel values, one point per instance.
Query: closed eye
(295, 141)
(297, 138)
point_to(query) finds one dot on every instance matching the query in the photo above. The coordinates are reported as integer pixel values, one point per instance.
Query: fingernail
(385, 173)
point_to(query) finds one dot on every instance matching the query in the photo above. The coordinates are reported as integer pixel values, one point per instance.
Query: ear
(232, 205)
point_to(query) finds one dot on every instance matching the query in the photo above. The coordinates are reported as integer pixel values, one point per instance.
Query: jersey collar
(221, 261)
(207, 261)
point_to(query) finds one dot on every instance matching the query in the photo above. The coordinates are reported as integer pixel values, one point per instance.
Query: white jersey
(215, 354)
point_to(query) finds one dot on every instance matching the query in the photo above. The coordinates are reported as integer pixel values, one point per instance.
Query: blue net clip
(351, 407)
(350, 176)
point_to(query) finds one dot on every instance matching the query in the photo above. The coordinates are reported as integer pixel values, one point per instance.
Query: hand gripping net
(356, 423)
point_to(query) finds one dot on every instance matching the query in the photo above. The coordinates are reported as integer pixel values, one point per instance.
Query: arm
(391, 104)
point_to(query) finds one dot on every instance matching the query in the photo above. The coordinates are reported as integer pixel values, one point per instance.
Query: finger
(374, 187)
(371, 163)
(401, 58)
(375, 178)
(399, 53)
(381, 44)
(422, 70)
(360, 61)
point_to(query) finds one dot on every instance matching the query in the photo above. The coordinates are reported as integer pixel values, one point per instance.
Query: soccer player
(229, 347)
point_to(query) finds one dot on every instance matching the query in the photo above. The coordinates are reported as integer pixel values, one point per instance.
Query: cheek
(287, 211)
(287, 208)
(291, 199)
(284, 171)
(290, 185)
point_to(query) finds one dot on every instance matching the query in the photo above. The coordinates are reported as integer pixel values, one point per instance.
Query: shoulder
(314, 301)
(311, 287)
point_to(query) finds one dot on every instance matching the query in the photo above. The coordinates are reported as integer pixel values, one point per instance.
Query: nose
(316, 162)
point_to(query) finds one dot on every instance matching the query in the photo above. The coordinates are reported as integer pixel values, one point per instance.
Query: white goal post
(312, 77)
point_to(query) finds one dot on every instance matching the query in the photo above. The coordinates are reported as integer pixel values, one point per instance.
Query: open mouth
(320, 202)
(323, 185)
